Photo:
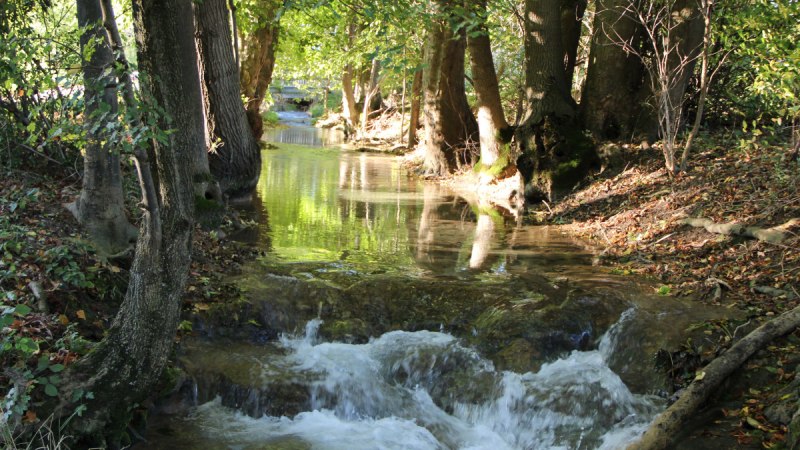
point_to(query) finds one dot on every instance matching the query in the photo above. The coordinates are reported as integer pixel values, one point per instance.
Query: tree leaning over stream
(234, 156)
(122, 369)
(100, 207)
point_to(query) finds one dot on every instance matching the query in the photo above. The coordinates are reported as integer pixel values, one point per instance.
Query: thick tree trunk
(123, 368)
(556, 154)
(235, 157)
(493, 128)
(100, 206)
(610, 103)
(258, 62)
(416, 106)
(449, 123)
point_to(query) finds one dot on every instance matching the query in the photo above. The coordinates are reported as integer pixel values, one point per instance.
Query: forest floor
(58, 296)
(634, 216)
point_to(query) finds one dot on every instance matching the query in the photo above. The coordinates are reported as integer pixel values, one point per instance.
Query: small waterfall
(305, 135)
(425, 390)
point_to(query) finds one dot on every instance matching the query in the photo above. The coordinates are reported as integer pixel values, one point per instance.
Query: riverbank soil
(636, 215)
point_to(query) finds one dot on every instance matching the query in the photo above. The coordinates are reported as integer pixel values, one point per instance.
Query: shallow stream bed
(395, 315)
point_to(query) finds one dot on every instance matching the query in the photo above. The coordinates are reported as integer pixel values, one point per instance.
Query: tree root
(666, 426)
(774, 235)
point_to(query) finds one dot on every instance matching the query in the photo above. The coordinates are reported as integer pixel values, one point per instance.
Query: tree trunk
(258, 62)
(100, 206)
(349, 107)
(416, 100)
(122, 369)
(610, 102)
(449, 123)
(235, 157)
(493, 128)
(349, 100)
(556, 154)
(370, 93)
(571, 22)
(686, 39)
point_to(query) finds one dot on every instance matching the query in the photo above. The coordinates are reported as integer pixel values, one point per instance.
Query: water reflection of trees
(327, 205)
(452, 234)
(362, 209)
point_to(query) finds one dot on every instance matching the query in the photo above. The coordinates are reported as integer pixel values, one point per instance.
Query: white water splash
(423, 390)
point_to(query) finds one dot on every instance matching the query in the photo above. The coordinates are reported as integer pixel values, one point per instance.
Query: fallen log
(774, 235)
(666, 426)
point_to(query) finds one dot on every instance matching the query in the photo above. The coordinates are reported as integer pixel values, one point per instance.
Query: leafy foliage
(40, 98)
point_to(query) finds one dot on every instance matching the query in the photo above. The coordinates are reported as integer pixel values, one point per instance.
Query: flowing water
(298, 130)
(463, 329)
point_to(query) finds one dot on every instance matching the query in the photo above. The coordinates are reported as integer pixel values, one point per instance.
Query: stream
(389, 313)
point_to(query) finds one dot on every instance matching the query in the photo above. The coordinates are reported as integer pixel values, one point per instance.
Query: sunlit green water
(362, 211)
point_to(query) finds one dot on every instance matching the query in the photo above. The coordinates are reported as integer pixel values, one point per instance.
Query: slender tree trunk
(610, 102)
(706, 9)
(235, 157)
(349, 100)
(571, 21)
(556, 153)
(493, 128)
(416, 106)
(687, 40)
(235, 28)
(370, 92)
(100, 207)
(449, 123)
(403, 107)
(258, 62)
(123, 368)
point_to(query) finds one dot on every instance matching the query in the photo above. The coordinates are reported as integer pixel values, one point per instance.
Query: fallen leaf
(700, 375)
(81, 314)
(29, 417)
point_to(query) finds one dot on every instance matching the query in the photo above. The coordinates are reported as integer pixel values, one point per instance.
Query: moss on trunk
(556, 156)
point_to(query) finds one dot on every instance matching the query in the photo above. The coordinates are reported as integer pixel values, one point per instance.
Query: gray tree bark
(610, 101)
(492, 125)
(571, 23)
(100, 207)
(556, 154)
(235, 157)
(449, 123)
(416, 106)
(371, 92)
(124, 367)
(258, 62)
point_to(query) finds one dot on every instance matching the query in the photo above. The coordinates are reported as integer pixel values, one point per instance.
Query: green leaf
(55, 368)
(43, 362)
(50, 390)
(23, 310)
(27, 345)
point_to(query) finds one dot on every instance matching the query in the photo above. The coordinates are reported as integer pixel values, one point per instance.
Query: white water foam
(423, 390)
